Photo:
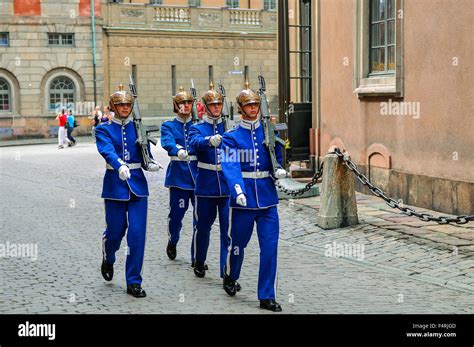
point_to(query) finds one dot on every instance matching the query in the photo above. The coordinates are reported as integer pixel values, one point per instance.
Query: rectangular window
(62, 40)
(156, 2)
(232, 3)
(269, 5)
(116, 1)
(299, 31)
(382, 36)
(194, 3)
(246, 73)
(173, 79)
(4, 40)
(4, 102)
(378, 53)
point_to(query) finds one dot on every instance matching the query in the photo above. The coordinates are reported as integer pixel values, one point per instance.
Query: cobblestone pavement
(50, 198)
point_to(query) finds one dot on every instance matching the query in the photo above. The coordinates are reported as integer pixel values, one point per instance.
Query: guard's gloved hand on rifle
(154, 166)
(280, 173)
(241, 200)
(215, 140)
(124, 172)
(183, 154)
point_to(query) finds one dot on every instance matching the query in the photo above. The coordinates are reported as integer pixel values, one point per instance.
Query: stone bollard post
(338, 199)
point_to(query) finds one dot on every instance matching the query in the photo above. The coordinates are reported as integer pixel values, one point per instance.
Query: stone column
(338, 200)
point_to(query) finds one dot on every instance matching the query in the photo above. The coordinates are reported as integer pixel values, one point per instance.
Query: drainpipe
(94, 62)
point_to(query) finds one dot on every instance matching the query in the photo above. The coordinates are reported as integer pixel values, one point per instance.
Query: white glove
(215, 140)
(241, 200)
(280, 173)
(154, 166)
(124, 172)
(183, 154)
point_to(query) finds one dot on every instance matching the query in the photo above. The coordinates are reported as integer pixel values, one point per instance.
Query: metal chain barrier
(426, 217)
(317, 175)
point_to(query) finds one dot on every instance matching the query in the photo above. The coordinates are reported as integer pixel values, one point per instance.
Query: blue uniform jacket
(116, 143)
(243, 150)
(209, 183)
(175, 136)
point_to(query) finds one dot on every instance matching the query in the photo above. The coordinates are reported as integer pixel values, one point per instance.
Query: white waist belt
(190, 158)
(255, 174)
(212, 167)
(131, 166)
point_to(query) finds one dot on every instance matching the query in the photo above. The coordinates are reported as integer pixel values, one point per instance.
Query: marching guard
(211, 191)
(125, 191)
(181, 171)
(248, 170)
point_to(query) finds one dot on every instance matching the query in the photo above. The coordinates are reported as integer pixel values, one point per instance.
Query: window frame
(266, 4)
(364, 83)
(61, 38)
(303, 53)
(7, 36)
(8, 93)
(61, 93)
(386, 44)
(230, 3)
(194, 3)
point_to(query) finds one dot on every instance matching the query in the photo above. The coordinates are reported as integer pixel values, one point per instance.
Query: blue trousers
(179, 204)
(242, 222)
(126, 216)
(206, 210)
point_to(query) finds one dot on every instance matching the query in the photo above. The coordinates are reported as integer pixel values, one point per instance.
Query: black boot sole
(170, 255)
(106, 275)
(274, 309)
(229, 292)
(199, 274)
(138, 295)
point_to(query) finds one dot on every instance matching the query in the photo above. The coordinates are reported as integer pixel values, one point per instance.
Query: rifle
(194, 111)
(269, 128)
(142, 130)
(228, 124)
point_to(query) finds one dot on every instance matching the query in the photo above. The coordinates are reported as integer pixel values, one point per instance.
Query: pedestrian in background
(62, 120)
(107, 113)
(70, 128)
(96, 116)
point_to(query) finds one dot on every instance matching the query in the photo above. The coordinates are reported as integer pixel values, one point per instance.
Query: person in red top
(201, 109)
(62, 120)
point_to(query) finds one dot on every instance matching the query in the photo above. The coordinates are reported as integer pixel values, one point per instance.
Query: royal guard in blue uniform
(125, 191)
(212, 193)
(248, 170)
(181, 172)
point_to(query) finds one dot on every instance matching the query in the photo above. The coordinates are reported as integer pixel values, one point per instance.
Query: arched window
(5, 103)
(61, 93)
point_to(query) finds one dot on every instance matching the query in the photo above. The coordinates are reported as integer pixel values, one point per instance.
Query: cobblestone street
(51, 198)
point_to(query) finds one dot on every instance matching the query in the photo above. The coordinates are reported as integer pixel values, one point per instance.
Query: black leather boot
(107, 270)
(200, 269)
(136, 290)
(229, 285)
(171, 251)
(270, 304)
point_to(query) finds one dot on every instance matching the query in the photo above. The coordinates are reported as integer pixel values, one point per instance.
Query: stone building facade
(398, 100)
(46, 64)
(166, 47)
(46, 60)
